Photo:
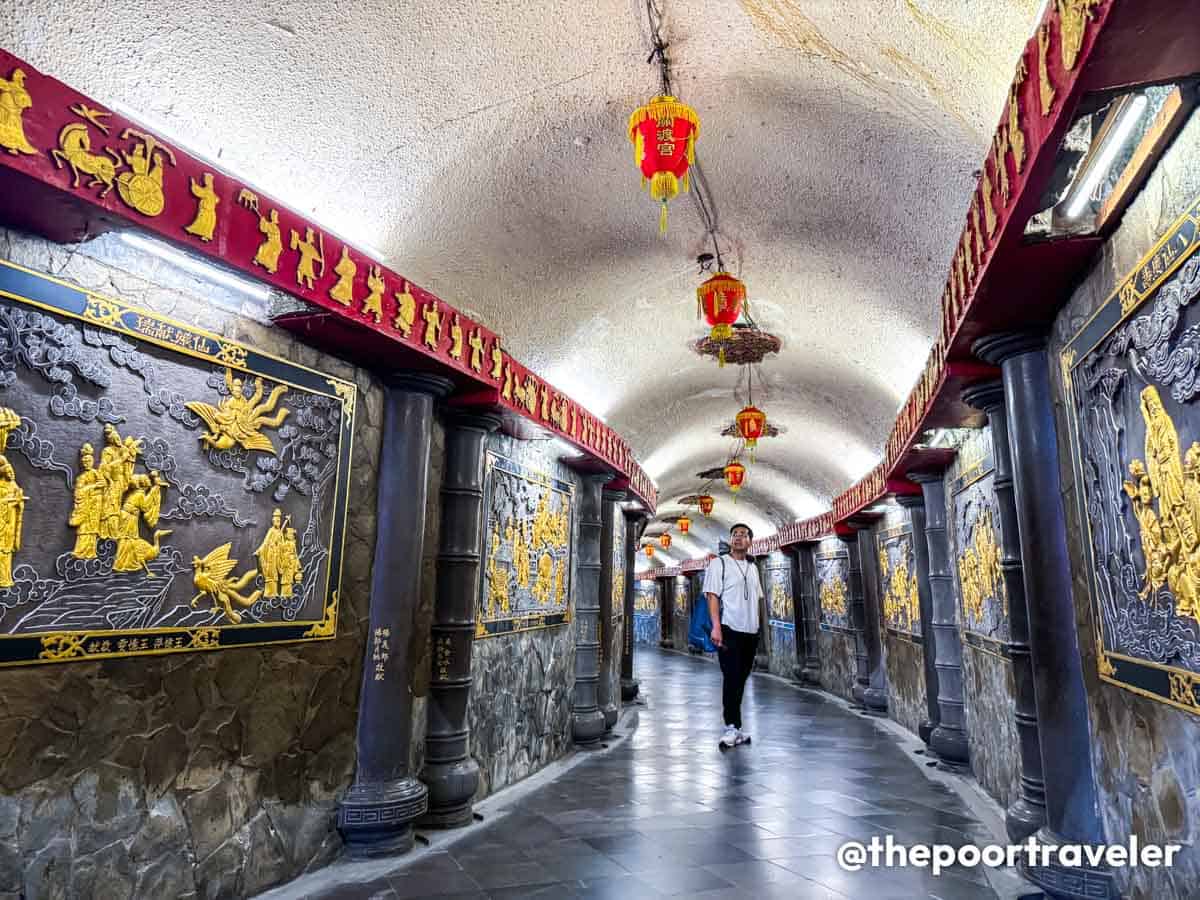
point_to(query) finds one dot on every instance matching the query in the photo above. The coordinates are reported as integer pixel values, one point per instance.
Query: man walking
(733, 590)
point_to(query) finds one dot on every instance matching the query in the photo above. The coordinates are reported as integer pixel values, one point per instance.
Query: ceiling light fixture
(1114, 134)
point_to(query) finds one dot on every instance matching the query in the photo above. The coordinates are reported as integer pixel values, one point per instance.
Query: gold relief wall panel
(898, 580)
(975, 548)
(526, 579)
(162, 489)
(833, 587)
(1132, 376)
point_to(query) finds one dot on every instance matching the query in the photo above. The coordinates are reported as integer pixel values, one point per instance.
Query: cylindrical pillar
(450, 773)
(376, 813)
(915, 504)
(875, 696)
(1028, 812)
(666, 611)
(587, 721)
(949, 737)
(609, 704)
(634, 523)
(1072, 812)
(762, 652)
(862, 671)
(806, 601)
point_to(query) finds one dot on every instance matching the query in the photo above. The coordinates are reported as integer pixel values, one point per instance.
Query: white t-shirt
(739, 592)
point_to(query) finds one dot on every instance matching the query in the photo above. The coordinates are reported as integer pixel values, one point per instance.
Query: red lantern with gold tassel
(735, 474)
(683, 523)
(663, 134)
(649, 548)
(721, 299)
(665, 540)
(705, 502)
(751, 423)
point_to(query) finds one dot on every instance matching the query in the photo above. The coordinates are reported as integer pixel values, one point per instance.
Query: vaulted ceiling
(479, 147)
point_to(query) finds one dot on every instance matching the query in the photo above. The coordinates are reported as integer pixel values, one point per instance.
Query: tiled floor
(668, 814)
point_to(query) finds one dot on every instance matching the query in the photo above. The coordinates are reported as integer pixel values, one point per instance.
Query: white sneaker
(741, 737)
(730, 737)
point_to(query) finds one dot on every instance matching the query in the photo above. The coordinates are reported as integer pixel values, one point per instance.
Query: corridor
(667, 814)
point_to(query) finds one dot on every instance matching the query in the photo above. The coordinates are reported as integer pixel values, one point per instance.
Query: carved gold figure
(12, 515)
(522, 556)
(433, 324)
(205, 222)
(497, 358)
(497, 577)
(87, 515)
(406, 311)
(141, 184)
(543, 587)
(1073, 16)
(373, 302)
(476, 344)
(117, 462)
(212, 575)
(291, 570)
(269, 555)
(268, 251)
(456, 339)
(143, 503)
(833, 596)
(343, 289)
(236, 420)
(560, 585)
(1045, 88)
(75, 151)
(14, 100)
(979, 573)
(312, 252)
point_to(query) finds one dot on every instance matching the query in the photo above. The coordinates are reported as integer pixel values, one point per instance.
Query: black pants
(737, 661)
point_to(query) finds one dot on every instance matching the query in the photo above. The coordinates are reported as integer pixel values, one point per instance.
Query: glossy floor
(668, 814)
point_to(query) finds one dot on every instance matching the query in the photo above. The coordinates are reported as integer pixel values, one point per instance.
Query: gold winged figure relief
(237, 420)
(212, 575)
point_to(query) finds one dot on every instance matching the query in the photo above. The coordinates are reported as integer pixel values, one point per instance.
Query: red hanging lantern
(665, 540)
(721, 299)
(663, 134)
(751, 423)
(735, 474)
(683, 523)
(649, 551)
(706, 503)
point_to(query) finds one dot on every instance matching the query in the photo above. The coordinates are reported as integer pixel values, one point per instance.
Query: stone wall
(647, 624)
(519, 711)
(1146, 754)
(210, 774)
(837, 662)
(905, 663)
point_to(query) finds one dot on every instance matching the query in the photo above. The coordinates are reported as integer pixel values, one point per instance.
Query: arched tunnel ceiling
(480, 149)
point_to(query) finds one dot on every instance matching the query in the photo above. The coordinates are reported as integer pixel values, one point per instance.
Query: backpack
(700, 629)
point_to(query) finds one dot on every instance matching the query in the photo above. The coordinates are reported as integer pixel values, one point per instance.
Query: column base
(587, 727)
(876, 701)
(950, 747)
(1023, 819)
(798, 673)
(376, 819)
(667, 643)
(1068, 883)
(812, 674)
(609, 711)
(629, 689)
(452, 788)
(858, 694)
(925, 730)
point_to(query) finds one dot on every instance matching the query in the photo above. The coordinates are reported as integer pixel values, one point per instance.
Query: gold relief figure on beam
(343, 289)
(269, 554)
(475, 342)
(1016, 137)
(205, 222)
(373, 302)
(456, 339)
(433, 324)
(212, 576)
(236, 420)
(14, 100)
(1045, 88)
(989, 210)
(1000, 163)
(268, 251)
(1073, 16)
(406, 311)
(976, 234)
(141, 184)
(75, 151)
(143, 503)
(531, 394)
(497, 358)
(507, 393)
(312, 253)
(87, 515)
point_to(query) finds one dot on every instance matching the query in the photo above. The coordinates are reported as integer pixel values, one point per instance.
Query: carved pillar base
(629, 689)
(1068, 883)
(376, 819)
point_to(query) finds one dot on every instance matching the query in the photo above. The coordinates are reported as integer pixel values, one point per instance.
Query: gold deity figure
(497, 359)
(14, 100)
(543, 587)
(373, 302)
(87, 515)
(456, 339)
(12, 515)
(521, 556)
(343, 290)
(205, 222)
(141, 185)
(237, 420)
(269, 553)
(143, 503)
(560, 585)
(291, 571)
(312, 252)
(268, 252)
(476, 344)
(1163, 460)
(117, 461)
(433, 324)
(406, 311)
(213, 576)
(497, 577)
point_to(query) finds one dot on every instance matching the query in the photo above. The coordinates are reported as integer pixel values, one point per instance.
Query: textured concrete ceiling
(479, 147)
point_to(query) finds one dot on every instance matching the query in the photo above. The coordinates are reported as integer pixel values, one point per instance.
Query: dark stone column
(587, 721)
(877, 692)
(1028, 812)
(762, 659)
(915, 504)
(949, 737)
(450, 773)
(666, 611)
(608, 513)
(862, 678)
(1072, 813)
(634, 523)
(376, 813)
(805, 590)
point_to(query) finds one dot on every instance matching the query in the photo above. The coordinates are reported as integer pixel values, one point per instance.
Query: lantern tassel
(662, 219)
(721, 358)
